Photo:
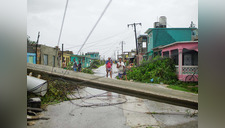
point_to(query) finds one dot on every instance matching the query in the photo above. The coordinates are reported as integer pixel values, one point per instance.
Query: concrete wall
(50, 51)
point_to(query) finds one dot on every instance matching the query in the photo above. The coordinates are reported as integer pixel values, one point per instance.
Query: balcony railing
(186, 70)
(189, 69)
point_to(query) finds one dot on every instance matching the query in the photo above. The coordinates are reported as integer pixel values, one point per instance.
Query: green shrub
(87, 70)
(96, 63)
(69, 66)
(159, 69)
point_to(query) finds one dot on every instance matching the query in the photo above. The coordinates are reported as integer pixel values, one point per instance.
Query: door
(31, 59)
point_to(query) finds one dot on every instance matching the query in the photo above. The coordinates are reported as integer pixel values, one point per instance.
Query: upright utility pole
(134, 25)
(122, 47)
(62, 54)
(37, 45)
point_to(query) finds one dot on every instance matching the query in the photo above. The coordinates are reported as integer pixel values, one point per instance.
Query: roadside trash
(152, 80)
(30, 113)
(37, 86)
(36, 118)
(35, 109)
(30, 123)
(34, 102)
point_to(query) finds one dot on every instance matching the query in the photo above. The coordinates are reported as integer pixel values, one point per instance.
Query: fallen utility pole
(134, 25)
(137, 89)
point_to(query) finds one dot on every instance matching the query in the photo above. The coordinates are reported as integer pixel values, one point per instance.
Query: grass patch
(87, 70)
(178, 88)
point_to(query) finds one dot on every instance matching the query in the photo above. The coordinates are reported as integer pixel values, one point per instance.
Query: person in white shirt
(121, 67)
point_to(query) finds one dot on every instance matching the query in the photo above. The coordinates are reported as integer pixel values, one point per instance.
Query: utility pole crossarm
(134, 25)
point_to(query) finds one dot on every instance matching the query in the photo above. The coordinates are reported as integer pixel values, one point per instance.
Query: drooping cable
(95, 25)
(64, 15)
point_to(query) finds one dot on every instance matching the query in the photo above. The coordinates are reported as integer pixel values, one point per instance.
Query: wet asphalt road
(134, 113)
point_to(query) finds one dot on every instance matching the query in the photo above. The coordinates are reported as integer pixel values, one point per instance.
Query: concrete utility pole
(37, 45)
(62, 54)
(134, 25)
(122, 48)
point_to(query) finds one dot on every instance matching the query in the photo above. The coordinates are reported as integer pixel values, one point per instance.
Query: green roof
(150, 29)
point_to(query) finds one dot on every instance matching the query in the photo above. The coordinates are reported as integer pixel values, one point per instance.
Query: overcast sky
(46, 16)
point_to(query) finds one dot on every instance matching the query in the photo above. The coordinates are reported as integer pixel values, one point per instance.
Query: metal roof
(179, 42)
(150, 29)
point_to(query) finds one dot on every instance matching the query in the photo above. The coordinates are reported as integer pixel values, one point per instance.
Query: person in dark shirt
(74, 65)
(79, 66)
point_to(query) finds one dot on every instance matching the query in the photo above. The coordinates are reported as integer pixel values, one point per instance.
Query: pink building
(185, 56)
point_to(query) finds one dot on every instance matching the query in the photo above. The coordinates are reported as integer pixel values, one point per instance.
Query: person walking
(108, 66)
(120, 66)
(64, 64)
(74, 65)
(79, 66)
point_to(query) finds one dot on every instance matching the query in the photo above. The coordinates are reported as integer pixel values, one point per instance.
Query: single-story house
(185, 56)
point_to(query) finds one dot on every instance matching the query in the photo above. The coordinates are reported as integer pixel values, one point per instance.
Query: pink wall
(188, 45)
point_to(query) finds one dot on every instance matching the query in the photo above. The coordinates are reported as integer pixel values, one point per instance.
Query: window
(144, 44)
(53, 61)
(174, 56)
(166, 54)
(45, 59)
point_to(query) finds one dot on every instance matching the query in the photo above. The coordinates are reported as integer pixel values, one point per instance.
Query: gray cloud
(46, 16)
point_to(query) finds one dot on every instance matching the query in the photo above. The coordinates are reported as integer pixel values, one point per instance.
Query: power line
(60, 33)
(99, 41)
(95, 25)
(112, 42)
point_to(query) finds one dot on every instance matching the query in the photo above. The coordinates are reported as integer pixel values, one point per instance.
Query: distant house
(66, 56)
(93, 55)
(131, 54)
(164, 36)
(142, 49)
(85, 60)
(124, 55)
(142, 44)
(47, 55)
